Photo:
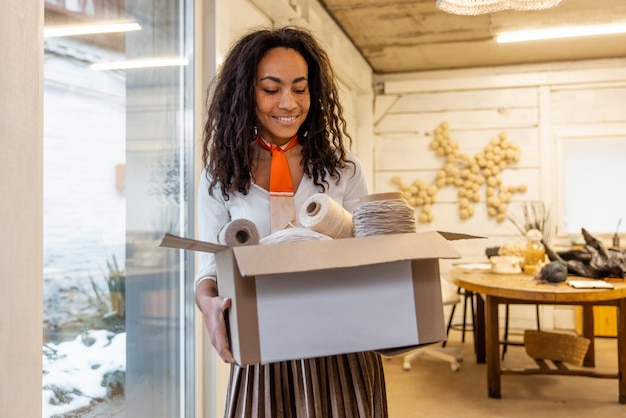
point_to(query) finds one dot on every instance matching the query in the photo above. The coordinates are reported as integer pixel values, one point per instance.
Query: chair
(468, 298)
(452, 355)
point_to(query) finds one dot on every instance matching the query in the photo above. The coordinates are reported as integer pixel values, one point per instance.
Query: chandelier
(477, 7)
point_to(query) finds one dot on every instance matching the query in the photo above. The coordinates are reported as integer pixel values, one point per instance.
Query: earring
(256, 131)
(304, 135)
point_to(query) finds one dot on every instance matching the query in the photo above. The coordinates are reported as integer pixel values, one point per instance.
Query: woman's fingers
(215, 321)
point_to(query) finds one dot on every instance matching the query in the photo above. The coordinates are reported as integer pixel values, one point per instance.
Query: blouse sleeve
(355, 185)
(212, 216)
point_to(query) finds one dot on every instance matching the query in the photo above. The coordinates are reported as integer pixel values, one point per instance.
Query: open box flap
(173, 241)
(454, 236)
(340, 253)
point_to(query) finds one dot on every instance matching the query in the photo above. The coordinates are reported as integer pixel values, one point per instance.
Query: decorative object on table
(535, 215)
(592, 260)
(590, 284)
(553, 272)
(491, 251)
(478, 7)
(615, 236)
(557, 347)
(516, 248)
(534, 252)
(507, 264)
(468, 174)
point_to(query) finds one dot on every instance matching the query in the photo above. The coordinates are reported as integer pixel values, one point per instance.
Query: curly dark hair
(229, 131)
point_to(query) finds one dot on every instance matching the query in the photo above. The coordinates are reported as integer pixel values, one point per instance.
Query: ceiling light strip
(141, 63)
(75, 30)
(562, 32)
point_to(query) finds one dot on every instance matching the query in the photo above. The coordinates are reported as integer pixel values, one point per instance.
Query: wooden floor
(432, 389)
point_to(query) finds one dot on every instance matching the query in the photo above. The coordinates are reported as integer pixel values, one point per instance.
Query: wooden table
(499, 289)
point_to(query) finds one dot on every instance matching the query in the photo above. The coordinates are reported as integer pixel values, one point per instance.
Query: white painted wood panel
(503, 118)
(468, 99)
(553, 74)
(382, 104)
(593, 106)
(530, 177)
(534, 105)
(408, 151)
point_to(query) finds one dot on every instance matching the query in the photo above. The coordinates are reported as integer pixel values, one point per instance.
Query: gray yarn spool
(383, 214)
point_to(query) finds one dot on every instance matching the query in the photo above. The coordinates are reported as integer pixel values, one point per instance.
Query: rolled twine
(322, 214)
(382, 214)
(239, 232)
(296, 234)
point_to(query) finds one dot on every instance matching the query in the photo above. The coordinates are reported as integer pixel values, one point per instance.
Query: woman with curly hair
(275, 135)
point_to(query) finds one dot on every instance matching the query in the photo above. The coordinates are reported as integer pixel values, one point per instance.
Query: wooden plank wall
(533, 105)
(403, 133)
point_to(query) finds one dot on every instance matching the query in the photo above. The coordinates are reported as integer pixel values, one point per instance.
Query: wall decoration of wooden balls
(467, 174)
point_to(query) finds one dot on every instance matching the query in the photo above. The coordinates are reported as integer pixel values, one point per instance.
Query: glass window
(593, 172)
(118, 149)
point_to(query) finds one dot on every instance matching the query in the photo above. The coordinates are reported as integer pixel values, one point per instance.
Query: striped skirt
(347, 385)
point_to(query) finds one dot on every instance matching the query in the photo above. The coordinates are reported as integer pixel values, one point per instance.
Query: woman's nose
(287, 101)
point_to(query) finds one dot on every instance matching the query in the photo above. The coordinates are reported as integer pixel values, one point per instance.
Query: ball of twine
(322, 214)
(239, 232)
(296, 234)
(383, 214)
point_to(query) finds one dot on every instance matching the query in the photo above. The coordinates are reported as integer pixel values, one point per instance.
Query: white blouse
(214, 212)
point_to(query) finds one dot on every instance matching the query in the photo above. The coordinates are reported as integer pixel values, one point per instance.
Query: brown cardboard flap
(172, 241)
(453, 236)
(339, 253)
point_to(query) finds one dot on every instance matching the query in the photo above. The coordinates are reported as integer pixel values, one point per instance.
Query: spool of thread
(322, 214)
(296, 234)
(239, 232)
(382, 214)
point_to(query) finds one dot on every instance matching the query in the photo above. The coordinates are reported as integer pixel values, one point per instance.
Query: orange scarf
(283, 211)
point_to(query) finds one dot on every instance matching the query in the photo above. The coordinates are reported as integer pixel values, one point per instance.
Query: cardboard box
(319, 298)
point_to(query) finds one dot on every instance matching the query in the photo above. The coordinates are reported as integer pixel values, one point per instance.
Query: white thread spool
(322, 214)
(296, 234)
(239, 232)
(382, 214)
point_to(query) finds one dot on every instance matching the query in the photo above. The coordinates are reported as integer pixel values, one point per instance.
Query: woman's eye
(269, 91)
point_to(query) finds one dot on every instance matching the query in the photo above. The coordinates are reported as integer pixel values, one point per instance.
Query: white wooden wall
(535, 106)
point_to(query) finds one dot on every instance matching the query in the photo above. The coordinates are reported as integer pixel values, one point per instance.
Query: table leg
(479, 329)
(588, 332)
(493, 347)
(621, 349)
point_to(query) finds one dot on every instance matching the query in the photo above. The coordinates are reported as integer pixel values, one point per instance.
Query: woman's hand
(213, 309)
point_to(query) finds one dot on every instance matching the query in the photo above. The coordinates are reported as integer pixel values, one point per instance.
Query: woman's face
(282, 94)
